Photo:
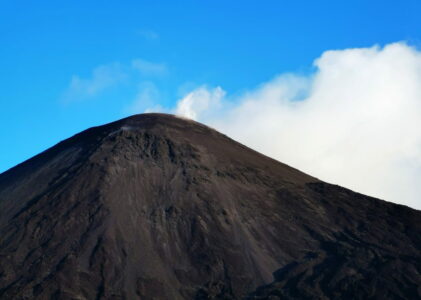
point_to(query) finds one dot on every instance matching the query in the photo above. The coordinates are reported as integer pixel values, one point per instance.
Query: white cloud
(102, 77)
(149, 68)
(355, 122)
(111, 75)
(199, 101)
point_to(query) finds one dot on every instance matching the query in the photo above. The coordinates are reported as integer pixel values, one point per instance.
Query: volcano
(158, 207)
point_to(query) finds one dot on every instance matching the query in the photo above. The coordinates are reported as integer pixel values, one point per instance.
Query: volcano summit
(158, 207)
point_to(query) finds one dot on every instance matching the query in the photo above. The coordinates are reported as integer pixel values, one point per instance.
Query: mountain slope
(158, 207)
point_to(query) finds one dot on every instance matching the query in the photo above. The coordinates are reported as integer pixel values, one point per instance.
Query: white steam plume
(355, 122)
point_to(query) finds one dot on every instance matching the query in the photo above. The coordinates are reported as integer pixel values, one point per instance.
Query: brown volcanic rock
(158, 207)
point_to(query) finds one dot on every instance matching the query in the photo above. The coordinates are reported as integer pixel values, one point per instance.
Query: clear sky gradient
(49, 51)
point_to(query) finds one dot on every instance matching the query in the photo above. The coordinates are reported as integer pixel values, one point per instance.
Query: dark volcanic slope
(158, 207)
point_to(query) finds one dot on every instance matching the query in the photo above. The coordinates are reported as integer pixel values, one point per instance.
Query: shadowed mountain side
(158, 207)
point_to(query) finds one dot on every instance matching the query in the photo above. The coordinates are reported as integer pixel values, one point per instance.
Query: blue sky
(66, 66)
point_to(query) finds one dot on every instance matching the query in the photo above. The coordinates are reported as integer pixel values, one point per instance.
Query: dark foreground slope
(157, 207)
